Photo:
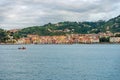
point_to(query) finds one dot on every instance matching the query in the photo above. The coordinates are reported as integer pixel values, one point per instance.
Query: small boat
(22, 48)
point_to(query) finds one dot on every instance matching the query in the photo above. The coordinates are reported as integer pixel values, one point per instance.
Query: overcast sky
(25, 13)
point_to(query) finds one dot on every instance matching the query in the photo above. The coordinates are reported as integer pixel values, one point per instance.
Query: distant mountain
(63, 28)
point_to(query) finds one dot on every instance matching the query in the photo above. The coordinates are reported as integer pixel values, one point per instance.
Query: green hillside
(63, 28)
(113, 24)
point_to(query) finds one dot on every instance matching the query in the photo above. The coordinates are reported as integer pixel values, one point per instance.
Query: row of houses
(63, 39)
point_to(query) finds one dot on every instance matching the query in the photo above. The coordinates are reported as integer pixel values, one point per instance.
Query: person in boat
(22, 48)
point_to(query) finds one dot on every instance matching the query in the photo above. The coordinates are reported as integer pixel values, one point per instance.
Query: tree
(3, 36)
(105, 39)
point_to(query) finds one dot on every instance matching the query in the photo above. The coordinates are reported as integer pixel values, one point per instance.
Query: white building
(115, 39)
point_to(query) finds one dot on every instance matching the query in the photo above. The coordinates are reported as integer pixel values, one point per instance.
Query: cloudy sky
(24, 13)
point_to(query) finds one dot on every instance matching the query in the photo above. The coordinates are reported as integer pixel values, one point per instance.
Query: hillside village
(107, 37)
(65, 33)
(67, 39)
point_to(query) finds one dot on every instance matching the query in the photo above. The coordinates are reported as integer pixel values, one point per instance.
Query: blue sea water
(60, 62)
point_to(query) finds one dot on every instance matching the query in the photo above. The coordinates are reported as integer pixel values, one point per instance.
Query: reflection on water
(60, 62)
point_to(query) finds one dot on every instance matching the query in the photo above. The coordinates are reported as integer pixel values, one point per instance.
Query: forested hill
(113, 24)
(62, 28)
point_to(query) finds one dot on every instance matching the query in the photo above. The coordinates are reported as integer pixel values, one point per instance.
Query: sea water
(60, 62)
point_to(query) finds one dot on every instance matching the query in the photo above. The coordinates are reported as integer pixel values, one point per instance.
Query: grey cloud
(23, 13)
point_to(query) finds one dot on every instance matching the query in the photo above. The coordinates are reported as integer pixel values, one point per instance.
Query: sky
(15, 14)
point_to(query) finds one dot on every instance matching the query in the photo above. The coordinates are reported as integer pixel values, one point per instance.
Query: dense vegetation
(105, 39)
(62, 28)
(113, 24)
(67, 27)
(3, 35)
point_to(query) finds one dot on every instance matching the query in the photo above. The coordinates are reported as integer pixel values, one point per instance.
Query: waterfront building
(115, 39)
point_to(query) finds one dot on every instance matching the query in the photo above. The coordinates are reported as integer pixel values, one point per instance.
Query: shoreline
(57, 44)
